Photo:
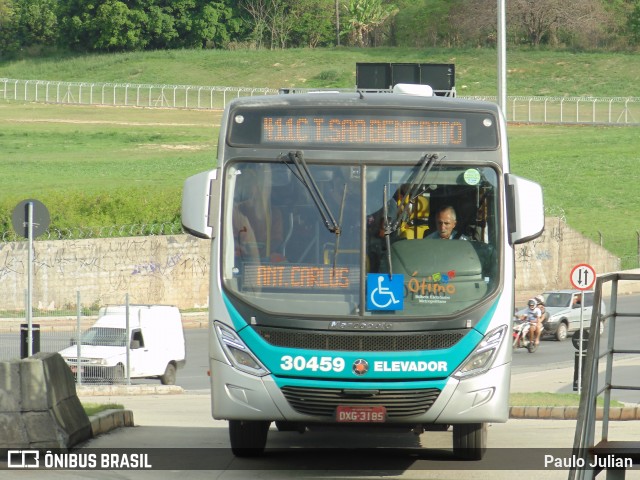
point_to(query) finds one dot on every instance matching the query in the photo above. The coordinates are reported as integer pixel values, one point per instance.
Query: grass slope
(530, 72)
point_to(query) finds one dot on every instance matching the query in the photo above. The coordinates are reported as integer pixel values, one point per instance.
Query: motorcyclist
(544, 316)
(534, 317)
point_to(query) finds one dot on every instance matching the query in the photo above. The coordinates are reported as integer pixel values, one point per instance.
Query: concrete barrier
(39, 407)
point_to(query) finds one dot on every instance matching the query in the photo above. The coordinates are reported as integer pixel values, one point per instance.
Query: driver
(446, 221)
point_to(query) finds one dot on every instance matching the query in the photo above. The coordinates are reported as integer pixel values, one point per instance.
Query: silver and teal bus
(362, 264)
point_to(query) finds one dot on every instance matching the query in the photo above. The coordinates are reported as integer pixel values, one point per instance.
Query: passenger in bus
(254, 203)
(246, 247)
(446, 221)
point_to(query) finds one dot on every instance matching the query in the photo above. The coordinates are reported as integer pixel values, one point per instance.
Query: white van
(156, 344)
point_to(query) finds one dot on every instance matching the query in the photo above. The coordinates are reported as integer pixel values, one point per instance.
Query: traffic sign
(40, 218)
(583, 276)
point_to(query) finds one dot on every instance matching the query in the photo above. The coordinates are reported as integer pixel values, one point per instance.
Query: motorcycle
(521, 336)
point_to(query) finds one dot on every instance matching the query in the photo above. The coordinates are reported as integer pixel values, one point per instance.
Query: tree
(200, 23)
(107, 25)
(312, 23)
(584, 23)
(634, 22)
(118, 28)
(37, 22)
(270, 21)
(8, 29)
(363, 16)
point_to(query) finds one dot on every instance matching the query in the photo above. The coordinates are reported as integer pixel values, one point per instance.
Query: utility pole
(502, 57)
(338, 23)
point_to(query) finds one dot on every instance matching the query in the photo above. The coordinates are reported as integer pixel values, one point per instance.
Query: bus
(334, 300)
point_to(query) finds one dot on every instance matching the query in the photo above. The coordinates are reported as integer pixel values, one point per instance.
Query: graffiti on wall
(156, 269)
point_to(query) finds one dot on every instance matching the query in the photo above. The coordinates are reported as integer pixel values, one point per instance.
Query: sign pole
(30, 280)
(30, 218)
(582, 277)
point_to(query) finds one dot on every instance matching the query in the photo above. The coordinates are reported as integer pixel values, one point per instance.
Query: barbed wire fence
(113, 231)
(626, 246)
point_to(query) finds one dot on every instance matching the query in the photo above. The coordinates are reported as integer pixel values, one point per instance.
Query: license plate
(361, 414)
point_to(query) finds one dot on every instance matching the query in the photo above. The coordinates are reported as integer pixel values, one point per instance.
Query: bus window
(440, 276)
(282, 245)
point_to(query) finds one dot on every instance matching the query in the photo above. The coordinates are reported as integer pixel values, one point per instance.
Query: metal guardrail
(584, 447)
(533, 109)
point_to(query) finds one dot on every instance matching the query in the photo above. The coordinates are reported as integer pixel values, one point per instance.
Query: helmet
(539, 299)
(531, 303)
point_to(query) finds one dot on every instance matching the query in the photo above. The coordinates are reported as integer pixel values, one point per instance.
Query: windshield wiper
(387, 231)
(335, 252)
(303, 174)
(415, 189)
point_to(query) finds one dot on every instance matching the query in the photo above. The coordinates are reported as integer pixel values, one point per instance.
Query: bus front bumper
(240, 396)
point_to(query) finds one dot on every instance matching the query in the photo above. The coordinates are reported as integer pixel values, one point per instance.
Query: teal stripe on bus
(344, 365)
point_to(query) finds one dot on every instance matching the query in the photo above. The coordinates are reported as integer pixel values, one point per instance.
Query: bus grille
(323, 401)
(358, 342)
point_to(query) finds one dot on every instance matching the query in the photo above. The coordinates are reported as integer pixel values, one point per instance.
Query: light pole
(338, 23)
(502, 57)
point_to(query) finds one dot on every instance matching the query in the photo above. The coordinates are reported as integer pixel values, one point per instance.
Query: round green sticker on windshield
(472, 176)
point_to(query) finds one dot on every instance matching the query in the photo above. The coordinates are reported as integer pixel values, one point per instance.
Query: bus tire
(169, 376)
(248, 437)
(469, 441)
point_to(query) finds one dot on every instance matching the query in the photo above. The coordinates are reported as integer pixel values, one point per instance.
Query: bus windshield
(304, 241)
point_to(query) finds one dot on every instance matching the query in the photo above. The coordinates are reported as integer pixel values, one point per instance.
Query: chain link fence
(533, 109)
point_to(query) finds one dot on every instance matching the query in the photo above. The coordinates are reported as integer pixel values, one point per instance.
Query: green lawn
(95, 408)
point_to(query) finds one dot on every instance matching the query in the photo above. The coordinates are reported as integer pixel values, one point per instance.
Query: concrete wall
(546, 262)
(175, 269)
(157, 269)
(39, 407)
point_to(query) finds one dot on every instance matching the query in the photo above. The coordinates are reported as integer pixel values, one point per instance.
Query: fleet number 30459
(322, 364)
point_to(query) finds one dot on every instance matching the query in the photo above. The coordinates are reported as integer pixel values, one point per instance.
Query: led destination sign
(328, 129)
(299, 128)
(291, 276)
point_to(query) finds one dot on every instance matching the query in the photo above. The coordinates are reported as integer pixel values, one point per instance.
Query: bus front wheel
(469, 440)
(248, 437)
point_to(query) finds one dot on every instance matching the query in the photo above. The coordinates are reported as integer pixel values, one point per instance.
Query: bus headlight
(482, 357)
(238, 353)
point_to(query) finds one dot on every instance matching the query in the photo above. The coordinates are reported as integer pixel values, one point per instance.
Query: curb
(124, 390)
(571, 413)
(108, 420)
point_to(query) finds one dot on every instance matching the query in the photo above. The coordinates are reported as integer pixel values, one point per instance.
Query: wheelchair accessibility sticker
(385, 292)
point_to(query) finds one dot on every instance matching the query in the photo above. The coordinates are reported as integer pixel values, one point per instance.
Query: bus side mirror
(198, 217)
(525, 209)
